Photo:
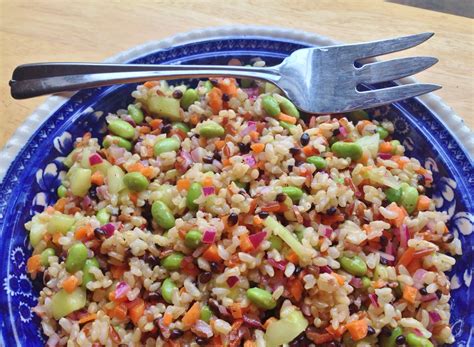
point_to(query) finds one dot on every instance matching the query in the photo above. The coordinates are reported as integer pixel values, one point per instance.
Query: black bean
(208, 159)
(244, 148)
(233, 219)
(152, 297)
(383, 240)
(386, 331)
(263, 214)
(304, 139)
(93, 192)
(151, 260)
(295, 151)
(331, 210)
(421, 179)
(165, 129)
(298, 162)
(383, 261)
(281, 197)
(217, 156)
(353, 309)
(336, 132)
(177, 94)
(205, 277)
(214, 82)
(176, 333)
(370, 330)
(400, 340)
(202, 341)
(423, 291)
(438, 294)
(225, 97)
(99, 233)
(290, 168)
(216, 267)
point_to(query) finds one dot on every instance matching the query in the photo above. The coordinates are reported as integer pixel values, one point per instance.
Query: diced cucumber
(64, 303)
(370, 144)
(284, 330)
(80, 180)
(115, 179)
(102, 167)
(37, 232)
(165, 107)
(60, 223)
(86, 153)
(68, 161)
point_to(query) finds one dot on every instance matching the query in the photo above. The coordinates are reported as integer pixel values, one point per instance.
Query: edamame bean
(190, 96)
(347, 150)
(294, 193)
(270, 106)
(172, 262)
(116, 140)
(181, 126)
(395, 144)
(393, 195)
(170, 144)
(122, 128)
(135, 181)
(162, 215)
(366, 282)
(287, 107)
(44, 258)
(355, 265)
(417, 341)
(76, 257)
(194, 192)
(261, 298)
(193, 239)
(211, 129)
(103, 216)
(87, 276)
(383, 133)
(317, 161)
(276, 242)
(409, 197)
(62, 191)
(167, 288)
(391, 341)
(206, 314)
(136, 114)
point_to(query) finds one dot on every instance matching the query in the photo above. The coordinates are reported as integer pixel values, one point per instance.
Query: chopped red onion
(418, 278)
(325, 269)
(202, 329)
(385, 156)
(384, 255)
(327, 232)
(232, 281)
(374, 300)
(280, 265)
(249, 160)
(434, 317)
(253, 322)
(428, 298)
(418, 332)
(197, 154)
(389, 248)
(86, 202)
(404, 236)
(251, 92)
(183, 162)
(130, 120)
(208, 190)
(103, 192)
(209, 236)
(217, 164)
(95, 159)
(343, 131)
(251, 126)
(109, 229)
(356, 282)
(257, 238)
(121, 289)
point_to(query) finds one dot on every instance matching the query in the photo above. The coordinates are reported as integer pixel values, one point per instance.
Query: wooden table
(54, 30)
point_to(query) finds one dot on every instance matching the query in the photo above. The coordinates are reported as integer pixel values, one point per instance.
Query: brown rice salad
(220, 216)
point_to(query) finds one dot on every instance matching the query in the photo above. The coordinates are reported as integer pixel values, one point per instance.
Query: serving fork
(317, 80)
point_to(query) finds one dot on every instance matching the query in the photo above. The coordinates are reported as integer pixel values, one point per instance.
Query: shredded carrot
(292, 257)
(215, 100)
(70, 283)
(60, 204)
(119, 311)
(144, 129)
(183, 184)
(268, 322)
(385, 147)
(82, 232)
(362, 124)
(309, 150)
(257, 147)
(245, 243)
(409, 293)
(135, 167)
(194, 119)
(228, 86)
(34, 263)
(271, 207)
(285, 118)
(149, 84)
(423, 203)
(406, 257)
(97, 178)
(211, 254)
(117, 271)
(257, 220)
(155, 123)
(236, 310)
(56, 237)
(414, 265)
(296, 289)
(88, 318)
(401, 214)
(364, 159)
(207, 182)
(320, 339)
(147, 172)
(220, 144)
(339, 278)
(226, 162)
(358, 329)
(249, 343)
(336, 332)
(192, 315)
(167, 319)
(379, 284)
(254, 135)
(137, 310)
(133, 197)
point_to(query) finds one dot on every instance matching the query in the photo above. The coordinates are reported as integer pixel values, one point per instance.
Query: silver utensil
(317, 80)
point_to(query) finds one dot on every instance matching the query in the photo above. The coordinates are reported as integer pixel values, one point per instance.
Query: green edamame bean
(286, 125)
(76, 257)
(287, 107)
(409, 197)
(62, 191)
(44, 257)
(103, 216)
(393, 195)
(383, 133)
(417, 341)
(276, 242)
(136, 114)
(122, 128)
(181, 126)
(355, 265)
(317, 161)
(87, 276)
(170, 144)
(173, 261)
(347, 149)
(366, 282)
(190, 96)
(193, 239)
(261, 298)
(162, 215)
(294, 193)
(206, 314)
(391, 341)
(167, 288)
(211, 129)
(135, 181)
(395, 144)
(109, 140)
(270, 106)
(194, 192)
(208, 85)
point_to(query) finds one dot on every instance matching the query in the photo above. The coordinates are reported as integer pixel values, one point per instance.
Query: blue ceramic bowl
(34, 174)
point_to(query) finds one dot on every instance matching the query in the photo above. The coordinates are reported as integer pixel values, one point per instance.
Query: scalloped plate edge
(453, 122)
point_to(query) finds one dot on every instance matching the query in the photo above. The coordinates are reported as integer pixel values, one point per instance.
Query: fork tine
(373, 49)
(394, 69)
(388, 95)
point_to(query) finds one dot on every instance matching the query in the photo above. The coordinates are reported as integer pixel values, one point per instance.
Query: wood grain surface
(55, 30)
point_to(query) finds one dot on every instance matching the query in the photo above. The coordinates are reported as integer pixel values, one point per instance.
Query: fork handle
(32, 80)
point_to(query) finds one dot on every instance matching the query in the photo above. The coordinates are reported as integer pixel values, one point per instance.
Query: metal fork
(317, 80)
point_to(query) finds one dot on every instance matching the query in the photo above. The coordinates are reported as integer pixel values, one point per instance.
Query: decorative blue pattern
(33, 177)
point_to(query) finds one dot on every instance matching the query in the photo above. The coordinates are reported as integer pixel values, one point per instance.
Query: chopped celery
(63, 303)
(80, 181)
(37, 232)
(60, 223)
(370, 144)
(165, 107)
(381, 176)
(115, 179)
(284, 330)
(279, 230)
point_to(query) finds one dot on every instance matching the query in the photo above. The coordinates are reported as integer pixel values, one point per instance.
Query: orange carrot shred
(257, 147)
(97, 178)
(167, 319)
(183, 184)
(192, 315)
(88, 318)
(211, 254)
(70, 283)
(358, 329)
(409, 294)
(285, 118)
(34, 263)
